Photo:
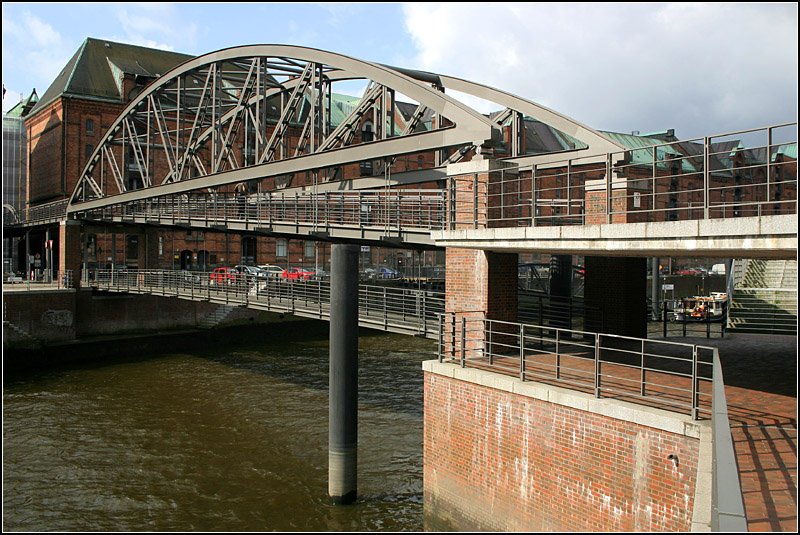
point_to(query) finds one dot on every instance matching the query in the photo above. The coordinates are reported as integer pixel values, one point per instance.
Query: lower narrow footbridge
(400, 310)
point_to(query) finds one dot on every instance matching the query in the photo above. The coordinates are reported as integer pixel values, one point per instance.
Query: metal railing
(58, 280)
(404, 310)
(387, 209)
(702, 178)
(669, 375)
(43, 213)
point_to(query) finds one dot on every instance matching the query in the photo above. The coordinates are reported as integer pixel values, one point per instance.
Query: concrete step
(215, 318)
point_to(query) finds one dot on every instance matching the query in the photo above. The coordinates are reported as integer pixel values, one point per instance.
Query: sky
(700, 68)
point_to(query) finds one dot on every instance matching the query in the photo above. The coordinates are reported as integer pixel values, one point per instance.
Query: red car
(223, 275)
(297, 273)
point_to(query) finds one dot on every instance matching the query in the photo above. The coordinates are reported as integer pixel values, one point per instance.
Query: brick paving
(761, 387)
(760, 373)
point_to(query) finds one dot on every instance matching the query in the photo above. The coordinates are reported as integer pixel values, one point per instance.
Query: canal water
(231, 437)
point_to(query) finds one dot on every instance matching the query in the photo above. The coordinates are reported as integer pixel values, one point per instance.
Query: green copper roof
(24, 105)
(93, 70)
(642, 148)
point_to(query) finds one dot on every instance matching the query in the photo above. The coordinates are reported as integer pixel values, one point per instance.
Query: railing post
(440, 318)
(769, 162)
(597, 365)
(558, 356)
(642, 375)
(453, 339)
(533, 196)
(463, 341)
(475, 201)
(609, 189)
(665, 317)
(706, 174)
(522, 352)
(385, 310)
(695, 389)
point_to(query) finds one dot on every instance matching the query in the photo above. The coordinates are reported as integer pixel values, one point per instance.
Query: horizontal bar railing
(407, 309)
(58, 280)
(53, 211)
(670, 375)
(393, 209)
(738, 174)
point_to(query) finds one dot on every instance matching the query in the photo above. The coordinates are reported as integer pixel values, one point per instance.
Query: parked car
(689, 271)
(319, 273)
(297, 273)
(223, 275)
(252, 271)
(383, 272)
(272, 270)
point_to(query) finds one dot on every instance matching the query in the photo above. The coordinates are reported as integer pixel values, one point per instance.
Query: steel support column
(343, 380)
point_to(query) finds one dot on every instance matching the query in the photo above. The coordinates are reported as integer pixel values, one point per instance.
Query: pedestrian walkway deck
(761, 388)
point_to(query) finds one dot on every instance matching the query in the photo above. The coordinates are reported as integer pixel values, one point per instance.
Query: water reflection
(227, 438)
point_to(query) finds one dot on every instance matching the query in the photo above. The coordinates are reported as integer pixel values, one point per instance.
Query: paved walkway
(760, 374)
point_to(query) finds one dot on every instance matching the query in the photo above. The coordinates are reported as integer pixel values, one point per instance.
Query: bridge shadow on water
(292, 350)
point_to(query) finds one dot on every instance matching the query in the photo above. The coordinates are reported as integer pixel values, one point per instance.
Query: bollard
(343, 380)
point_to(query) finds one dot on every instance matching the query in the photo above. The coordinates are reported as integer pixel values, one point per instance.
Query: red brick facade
(498, 461)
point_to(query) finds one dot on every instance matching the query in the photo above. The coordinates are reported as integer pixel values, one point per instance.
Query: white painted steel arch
(97, 186)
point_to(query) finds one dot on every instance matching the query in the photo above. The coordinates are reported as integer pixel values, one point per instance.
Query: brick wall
(500, 461)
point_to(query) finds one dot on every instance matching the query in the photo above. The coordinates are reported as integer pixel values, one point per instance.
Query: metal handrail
(667, 374)
(667, 181)
(408, 309)
(379, 209)
(60, 280)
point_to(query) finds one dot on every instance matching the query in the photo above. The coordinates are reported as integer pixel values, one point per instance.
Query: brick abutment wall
(500, 460)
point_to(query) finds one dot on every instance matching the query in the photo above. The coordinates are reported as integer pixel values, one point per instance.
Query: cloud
(44, 53)
(156, 25)
(698, 68)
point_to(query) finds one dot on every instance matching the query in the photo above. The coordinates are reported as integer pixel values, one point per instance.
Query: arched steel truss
(260, 111)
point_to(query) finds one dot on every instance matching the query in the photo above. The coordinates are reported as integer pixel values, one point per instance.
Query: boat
(702, 307)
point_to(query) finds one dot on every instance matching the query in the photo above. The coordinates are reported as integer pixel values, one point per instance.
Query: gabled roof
(23, 107)
(93, 70)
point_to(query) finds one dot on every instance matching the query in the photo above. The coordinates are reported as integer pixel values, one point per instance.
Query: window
(308, 249)
(248, 250)
(90, 126)
(88, 150)
(366, 168)
(280, 248)
(366, 133)
(132, 249)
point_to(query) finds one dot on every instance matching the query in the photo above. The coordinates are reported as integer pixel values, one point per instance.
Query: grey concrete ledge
(773, 236)
(620, 410)
(481, 166)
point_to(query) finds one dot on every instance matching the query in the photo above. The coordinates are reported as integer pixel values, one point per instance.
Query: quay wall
(37, 318)
(505, 455)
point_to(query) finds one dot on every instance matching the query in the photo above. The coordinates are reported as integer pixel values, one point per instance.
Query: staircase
(766, 299)
(17, 336)
(215, 318)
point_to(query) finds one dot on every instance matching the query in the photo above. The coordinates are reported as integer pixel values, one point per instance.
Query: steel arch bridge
(265, 116)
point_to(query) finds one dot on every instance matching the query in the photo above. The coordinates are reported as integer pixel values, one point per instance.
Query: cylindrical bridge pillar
(343, 381)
